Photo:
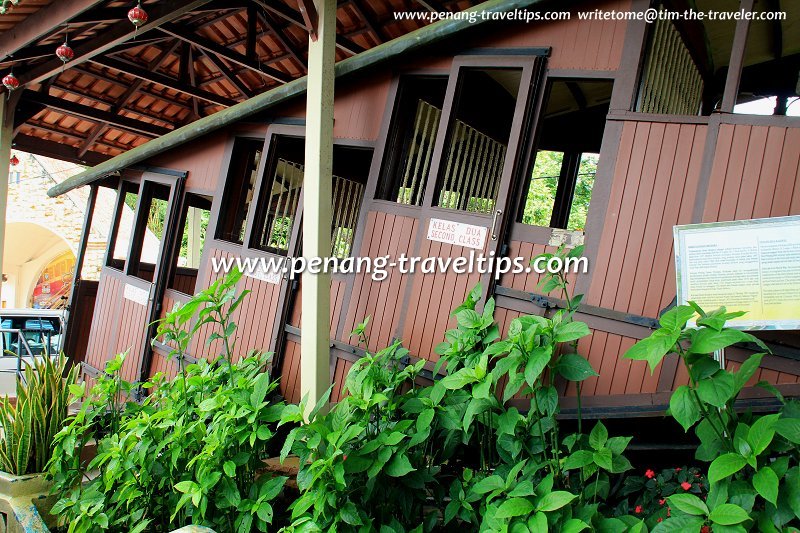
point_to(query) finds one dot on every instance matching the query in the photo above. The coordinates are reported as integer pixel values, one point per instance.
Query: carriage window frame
(197, 201)
(269, 160)
(123, 190)
(242, 163)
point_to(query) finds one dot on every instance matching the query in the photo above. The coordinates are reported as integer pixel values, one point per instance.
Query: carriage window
(561, 176)
(121, 234)
(239, 185)
(194, 223)
(412, 134)
(477, 137)
(282, 185)
(149, 230)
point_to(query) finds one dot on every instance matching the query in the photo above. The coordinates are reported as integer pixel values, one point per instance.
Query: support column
(6, 134)
(315, 343)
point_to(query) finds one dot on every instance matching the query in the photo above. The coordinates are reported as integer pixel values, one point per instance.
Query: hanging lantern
(14, 160)
(137, 15)
(10, 81)
(64, 52)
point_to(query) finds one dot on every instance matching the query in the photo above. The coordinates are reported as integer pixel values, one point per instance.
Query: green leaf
(555, 500)
(678, 524)
(707, 340)
(469, 319)
(653, 348)
(675, 319)
(747, 371)
(724, 466)
(230, 468)
(488, 484)
(598, 436)
(537, 523)
(579, 459)
(574, 525)
(603, 459)
(761, 433)
(514, 507)
(459, 379)
(349, 514)
(574, 367)
(570, 331)
(536, 363)
(765, 481)
(689, 504)
(788, 428)
(728, 514)
(716, 390)
(399, 466)
(683, 407)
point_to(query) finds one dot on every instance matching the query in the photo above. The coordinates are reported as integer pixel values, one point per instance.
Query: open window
(561, 177)
(770, 81)
(149, 230)
(477, 139)
(122, 225)
(412, 135)
(238, 193)
(186, 262)
(281, 186)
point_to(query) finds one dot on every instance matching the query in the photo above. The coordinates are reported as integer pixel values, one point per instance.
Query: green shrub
(190, 453)
(754, 470)
(30, 423)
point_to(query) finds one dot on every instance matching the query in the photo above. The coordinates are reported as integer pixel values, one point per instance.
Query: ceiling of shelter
(192, 58)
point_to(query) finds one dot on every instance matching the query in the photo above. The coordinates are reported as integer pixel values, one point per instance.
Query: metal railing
(22, 348)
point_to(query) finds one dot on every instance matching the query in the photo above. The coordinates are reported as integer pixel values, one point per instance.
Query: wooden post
(315, 342)
(6, 135)
(737, 59)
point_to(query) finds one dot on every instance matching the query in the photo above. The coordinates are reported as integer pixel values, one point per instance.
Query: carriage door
(466, 196)
(135, 258)
(277, 231)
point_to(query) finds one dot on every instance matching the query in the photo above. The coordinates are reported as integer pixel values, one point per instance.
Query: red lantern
(137, 15)
(10, 81)
(64, 52)
(14, 161)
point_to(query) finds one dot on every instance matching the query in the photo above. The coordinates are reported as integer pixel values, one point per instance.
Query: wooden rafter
(160, 79)
(96, 131)
(285, 43)
(224, 52)
(93, 114)
(41, 24)
(118, 33)
(290, 15)
(229, 75)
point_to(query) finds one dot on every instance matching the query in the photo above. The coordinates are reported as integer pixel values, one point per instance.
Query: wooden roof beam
(431, 5)
(41, 24)
(56, 150)
(226, 53)
(229, 75)
(92, 113)
(161, 13)
(160, 79)
(95, 133)
(289, 14)
(284, 41)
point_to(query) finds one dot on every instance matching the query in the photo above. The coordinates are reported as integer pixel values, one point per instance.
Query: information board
(744, 265)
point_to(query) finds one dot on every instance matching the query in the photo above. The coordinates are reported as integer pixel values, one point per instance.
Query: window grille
(419, 155)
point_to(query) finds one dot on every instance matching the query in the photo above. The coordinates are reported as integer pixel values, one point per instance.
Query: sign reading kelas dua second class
(458, 233)
(743, 265)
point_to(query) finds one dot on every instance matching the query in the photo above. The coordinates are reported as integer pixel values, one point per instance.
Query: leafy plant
(190, 453)
(753, 473)
(31, 422)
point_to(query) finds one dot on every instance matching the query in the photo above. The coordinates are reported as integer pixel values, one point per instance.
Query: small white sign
(136, 294)
(263, 274)
(457, 233)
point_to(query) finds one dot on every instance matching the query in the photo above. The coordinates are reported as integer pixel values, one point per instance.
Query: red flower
(686, 485)
(649, 474)
(705, 529)
(344, 457)
(669, 511)
(662, 502)
(638, 509)
(660, 520)
(698, 475)
(678, 469)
